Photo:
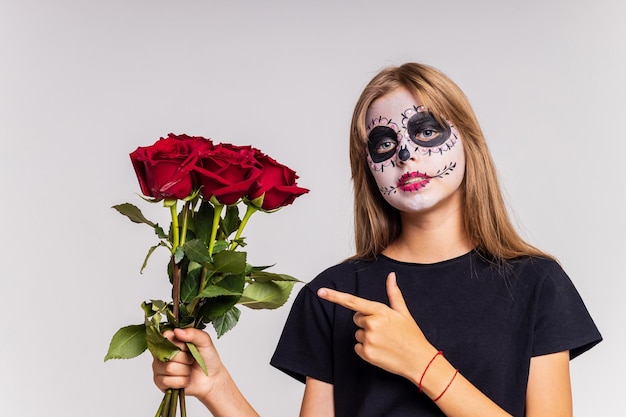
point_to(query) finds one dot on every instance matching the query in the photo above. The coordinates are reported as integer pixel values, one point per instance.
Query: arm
(389, 338)
(318, 399)
(217, 391)
(549, 389)
(548, 393)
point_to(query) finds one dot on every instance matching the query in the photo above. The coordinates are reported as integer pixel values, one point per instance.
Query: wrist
(437, 376)
(215, 385)
(223, 397)
(421, 363)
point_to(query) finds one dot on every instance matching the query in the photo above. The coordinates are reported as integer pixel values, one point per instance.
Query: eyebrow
(382, 132)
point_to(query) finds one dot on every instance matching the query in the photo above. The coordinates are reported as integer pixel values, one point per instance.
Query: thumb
(197, 337)
(396, 300)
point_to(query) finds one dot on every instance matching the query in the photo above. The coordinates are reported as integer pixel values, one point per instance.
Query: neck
(429, 237)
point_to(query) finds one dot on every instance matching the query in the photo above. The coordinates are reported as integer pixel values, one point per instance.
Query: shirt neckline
(438, 263)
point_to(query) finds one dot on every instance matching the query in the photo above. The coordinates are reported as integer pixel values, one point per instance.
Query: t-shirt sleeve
(305, 346)
(562, 320)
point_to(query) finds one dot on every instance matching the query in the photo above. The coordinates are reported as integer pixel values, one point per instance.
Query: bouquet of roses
(203, 184)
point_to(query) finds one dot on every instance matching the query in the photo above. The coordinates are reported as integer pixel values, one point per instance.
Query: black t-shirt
(488, 320)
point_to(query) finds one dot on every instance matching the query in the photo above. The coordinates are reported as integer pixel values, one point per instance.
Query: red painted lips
(413, 181)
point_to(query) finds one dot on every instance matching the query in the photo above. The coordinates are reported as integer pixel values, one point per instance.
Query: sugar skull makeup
(414, 159)
(418, 125)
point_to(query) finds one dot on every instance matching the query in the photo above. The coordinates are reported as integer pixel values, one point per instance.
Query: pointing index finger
(348, 301)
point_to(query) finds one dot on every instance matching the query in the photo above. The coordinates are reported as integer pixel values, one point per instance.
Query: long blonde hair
(486, 220)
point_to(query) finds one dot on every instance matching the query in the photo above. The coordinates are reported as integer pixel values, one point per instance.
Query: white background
(83, 83)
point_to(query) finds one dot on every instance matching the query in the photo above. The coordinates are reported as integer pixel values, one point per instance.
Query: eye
(385, 146)
(427, 134)
(425, 131)
(381, 143)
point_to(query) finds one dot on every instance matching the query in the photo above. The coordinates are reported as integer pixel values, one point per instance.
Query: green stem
(176, 242)
(183, 406)
(249, 212)
(176, 278)
(217, 215)
(159, 412)
(183, 233)
(166, 403)
(175, 232)
(202, 279)
(173, 403)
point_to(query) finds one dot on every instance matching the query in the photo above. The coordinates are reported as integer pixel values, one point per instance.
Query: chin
(417, 204)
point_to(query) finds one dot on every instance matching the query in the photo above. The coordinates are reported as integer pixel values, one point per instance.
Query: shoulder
(524, 279)
(561, 319)
(534, 270)
(540, 265)
(545, 300)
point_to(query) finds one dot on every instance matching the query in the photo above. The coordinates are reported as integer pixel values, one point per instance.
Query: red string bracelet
(447, 386)
(426, 369)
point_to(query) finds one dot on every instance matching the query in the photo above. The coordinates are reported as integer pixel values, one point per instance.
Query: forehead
(392, 105)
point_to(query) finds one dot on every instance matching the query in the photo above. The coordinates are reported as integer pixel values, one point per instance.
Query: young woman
(444, 309)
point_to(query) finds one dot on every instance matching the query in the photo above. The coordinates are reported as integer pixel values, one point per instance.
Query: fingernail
(322, 292)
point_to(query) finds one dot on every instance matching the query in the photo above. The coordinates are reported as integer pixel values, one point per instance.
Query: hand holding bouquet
(203, 185)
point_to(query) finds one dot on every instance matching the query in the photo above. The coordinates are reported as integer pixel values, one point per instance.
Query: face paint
(382, 143)
(424, 130)
(417, 162)
(382, 139)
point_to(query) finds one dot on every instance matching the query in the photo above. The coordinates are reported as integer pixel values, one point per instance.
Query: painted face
(415, 161)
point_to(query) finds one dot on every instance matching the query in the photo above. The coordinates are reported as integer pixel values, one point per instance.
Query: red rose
(276, 183)
(164, 169)
(193, 144)
(227, 172)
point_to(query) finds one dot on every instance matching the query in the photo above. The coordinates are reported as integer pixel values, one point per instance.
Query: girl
(444, 309)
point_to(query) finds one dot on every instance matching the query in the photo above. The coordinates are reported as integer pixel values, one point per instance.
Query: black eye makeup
(382, 142)
(424, 130)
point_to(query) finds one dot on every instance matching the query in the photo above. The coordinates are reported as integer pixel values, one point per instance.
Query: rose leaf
(266, 295)
(263, 276)
(160, 347)
(145, 261)
(217, 306)
(230, 261)
(128, 342)
(196, 355)
(203, 222)
(215, 290)
(179, 254)
(227, 321)
(191, 283)
(197, 251)
(231, 220)
(160, 232)
(133, 213)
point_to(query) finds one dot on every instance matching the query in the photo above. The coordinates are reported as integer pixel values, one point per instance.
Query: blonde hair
(486, 220)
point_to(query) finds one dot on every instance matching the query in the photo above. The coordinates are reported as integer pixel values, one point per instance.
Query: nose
(406, 150)
(404, 154)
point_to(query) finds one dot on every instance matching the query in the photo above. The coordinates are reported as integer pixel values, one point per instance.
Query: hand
(183, 371)
(388, 336)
